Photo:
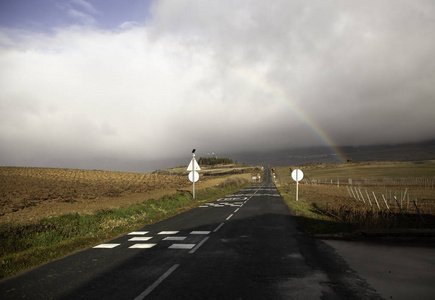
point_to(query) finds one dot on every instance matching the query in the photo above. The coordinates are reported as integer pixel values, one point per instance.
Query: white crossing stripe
(138, 233)
(142, 246)
(168, 232)
(182, 246)
(140, 238)
(200, 232)
(107, 246)
(174, 238)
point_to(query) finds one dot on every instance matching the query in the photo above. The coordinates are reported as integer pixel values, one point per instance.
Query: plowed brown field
(30, 194)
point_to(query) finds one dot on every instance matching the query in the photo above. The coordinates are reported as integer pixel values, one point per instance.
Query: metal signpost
(297, 175)
(193, 175)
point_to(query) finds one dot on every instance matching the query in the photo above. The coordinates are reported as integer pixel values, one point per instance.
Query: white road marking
(229, 217)
(199, 245)
(138, 233)
(174, 238)
(181, 246)
(107, 246)
(222, 204)
(140, 238)
(200, 232)
(168, 232)
(219, 227)
(236, 210)
(156, 283)
(142, 246)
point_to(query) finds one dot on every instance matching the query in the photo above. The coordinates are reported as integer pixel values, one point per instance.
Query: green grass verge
(311, 220)
(24, 247)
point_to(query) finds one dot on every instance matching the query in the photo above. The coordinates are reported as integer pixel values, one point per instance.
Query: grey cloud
(359, 66)
(222, 76)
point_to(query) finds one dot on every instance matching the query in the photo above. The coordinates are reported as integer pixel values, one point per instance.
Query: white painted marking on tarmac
(229, 217)
(236, 210)
(140, 239)
(138, 233)
(200, 232)
(142, 246)
(156, 283)
(174, 238)
(199, 245)
(219, 227)
(168, 232)
(106, 246)
(182, 246)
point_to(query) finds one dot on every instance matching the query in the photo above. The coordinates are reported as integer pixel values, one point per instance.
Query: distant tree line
(211, 161)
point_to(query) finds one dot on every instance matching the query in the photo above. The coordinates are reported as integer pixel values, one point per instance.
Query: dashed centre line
(191, 247)
(156, 283)
(219, 227)
(199, 245)
(139, 236)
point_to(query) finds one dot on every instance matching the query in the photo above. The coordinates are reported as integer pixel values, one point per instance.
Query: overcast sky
(97, 84)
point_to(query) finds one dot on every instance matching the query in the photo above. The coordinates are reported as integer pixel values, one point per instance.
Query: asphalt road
(243, 246)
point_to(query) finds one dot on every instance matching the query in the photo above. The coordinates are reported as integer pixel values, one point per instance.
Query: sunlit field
(368, 195)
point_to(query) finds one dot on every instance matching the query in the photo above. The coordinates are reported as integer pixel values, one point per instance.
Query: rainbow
(274, 90)
(277, 93)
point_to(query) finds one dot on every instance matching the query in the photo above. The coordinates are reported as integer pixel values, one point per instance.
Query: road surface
(242, 246)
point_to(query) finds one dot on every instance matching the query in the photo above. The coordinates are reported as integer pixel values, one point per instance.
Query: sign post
(193, 175)
(297, 175)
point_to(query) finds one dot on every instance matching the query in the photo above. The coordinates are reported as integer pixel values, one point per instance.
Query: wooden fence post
(415, 204)
(400, 208)
(368, 197)
(350, 196)
(352, 192)
(376, 200)
(361, 195)
(386, 204)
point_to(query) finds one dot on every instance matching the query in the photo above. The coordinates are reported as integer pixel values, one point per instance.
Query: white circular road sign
(297, 175)
(193, 175)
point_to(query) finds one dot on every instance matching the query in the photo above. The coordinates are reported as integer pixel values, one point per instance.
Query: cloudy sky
(117, 83)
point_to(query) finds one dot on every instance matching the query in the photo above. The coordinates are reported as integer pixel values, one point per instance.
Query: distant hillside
(400, 152)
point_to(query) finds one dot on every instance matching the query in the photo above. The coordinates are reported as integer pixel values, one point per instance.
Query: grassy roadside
(312, 220)
(27, 246)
